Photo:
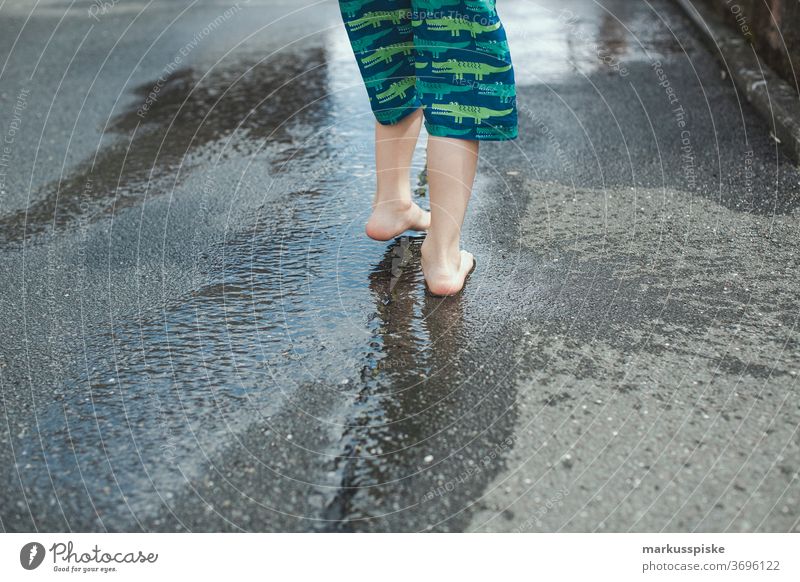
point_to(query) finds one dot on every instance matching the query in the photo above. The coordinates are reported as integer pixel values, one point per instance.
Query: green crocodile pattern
(448, 57)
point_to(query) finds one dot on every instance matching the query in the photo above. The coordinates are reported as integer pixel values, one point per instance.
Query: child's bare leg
(451, 173)
(393, 211)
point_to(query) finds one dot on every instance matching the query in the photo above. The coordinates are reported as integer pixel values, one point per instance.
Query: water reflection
(419, 389)
(413, 456)
(552, 40)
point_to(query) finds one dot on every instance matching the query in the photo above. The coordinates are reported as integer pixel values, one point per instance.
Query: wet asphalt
(198, 336)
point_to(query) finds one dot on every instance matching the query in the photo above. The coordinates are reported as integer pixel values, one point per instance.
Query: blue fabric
(449, 57)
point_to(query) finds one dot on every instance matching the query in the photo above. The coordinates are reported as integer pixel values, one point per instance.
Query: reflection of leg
(451, 172)
(393, 210)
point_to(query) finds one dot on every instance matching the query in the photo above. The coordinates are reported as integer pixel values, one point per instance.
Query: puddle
(552, 40)
(178, 122)
(420, 387)
(307, 382)
(374, 407)
(433, 418)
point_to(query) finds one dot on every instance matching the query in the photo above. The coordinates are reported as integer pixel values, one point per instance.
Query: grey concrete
(197, 335)
(775, 98)
(771, 27)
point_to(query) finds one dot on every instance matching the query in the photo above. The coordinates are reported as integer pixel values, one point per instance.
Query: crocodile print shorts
(449, 57)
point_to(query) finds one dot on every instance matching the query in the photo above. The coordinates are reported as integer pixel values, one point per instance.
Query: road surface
(198, 336)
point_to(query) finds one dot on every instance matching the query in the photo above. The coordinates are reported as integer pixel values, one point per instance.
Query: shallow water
(303, 380)
(296, 303)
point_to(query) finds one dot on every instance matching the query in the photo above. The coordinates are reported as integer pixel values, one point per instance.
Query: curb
(772, 97)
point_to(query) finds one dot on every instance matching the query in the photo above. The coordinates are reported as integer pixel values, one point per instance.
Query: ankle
(394, 192)
(445, 253)
(394, 203)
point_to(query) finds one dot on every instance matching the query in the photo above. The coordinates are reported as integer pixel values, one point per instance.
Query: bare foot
(389, 219)
(445, 276)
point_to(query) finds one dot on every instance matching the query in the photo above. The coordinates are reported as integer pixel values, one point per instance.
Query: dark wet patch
(593, 132)
(430, 427)
(730, 364)
(637, 279)
(303, 386)
(556, 399)
(192, 121)
(294, 339)
(160, 390)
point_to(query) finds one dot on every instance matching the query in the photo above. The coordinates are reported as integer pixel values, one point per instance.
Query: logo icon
(31, 555)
